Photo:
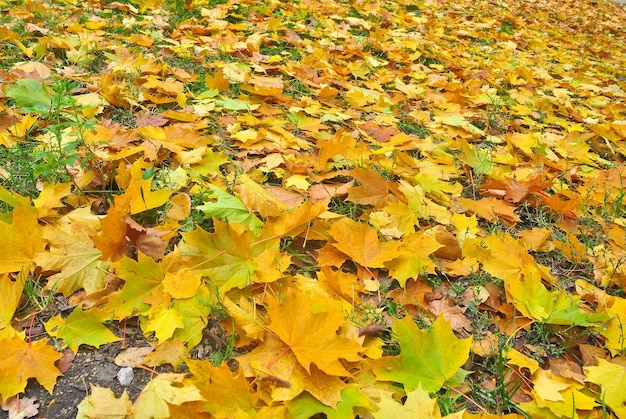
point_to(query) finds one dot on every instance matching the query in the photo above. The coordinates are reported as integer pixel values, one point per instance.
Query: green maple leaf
(142, 278)
(164, 390)
(30, 94)
(232, 256)
(305, 405)
(193, 313)
(81, 327)
(235, 105)
(229, 208)
(533, 300)
(428, 357)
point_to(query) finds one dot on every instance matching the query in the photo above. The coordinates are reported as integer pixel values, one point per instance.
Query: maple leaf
(559, 395)
(21, 407)
(308, 325)
(413, 259)
(417, 402)
(102, 403)
(164, 390)
(533, 300)
(360, 242)
(71, 252)
(142, 278)
(164, 323)
(139, 195)
(193, 313)
(352, 401)
(427, 357)
(373, 189)
(31, 94)
(50, 198)
(278, 372)
(295, 220)
(227, 393)
(611, 377)
(10, 296)
(20, 240)
(491, 209)
(501, 255)
(111, 240)
(229, 208)
(21, 361)
(256, 198)
(81, 327)
(232, 256)
(244, 315)
(173, 352)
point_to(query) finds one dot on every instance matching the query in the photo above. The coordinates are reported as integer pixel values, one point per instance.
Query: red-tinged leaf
(373, 189)
(513, 191)
(380, 134)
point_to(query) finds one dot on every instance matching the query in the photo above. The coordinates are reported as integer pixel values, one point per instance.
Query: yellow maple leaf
(308, 325)
(20, 241)
(360, 242)
(21, 361)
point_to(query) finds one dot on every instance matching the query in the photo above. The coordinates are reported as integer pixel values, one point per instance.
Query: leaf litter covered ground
(341, 209)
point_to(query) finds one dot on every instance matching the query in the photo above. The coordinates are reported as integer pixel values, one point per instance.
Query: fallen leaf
(22, 360)
(433, 356)
(308, 325)
(72, 329)
(21, 407)
(361, 243)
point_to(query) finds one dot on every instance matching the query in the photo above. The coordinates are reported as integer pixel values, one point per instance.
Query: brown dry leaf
(454, 314)
(490, 209)
(324, 192)
(31, 69)
(132, 357)
(21, 407)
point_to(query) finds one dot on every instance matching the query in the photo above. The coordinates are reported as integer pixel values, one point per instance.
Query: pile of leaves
(386, 207)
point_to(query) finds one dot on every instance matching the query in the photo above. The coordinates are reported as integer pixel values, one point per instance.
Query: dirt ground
(91, 366)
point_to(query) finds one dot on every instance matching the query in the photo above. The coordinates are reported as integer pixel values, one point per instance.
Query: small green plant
(547, 339)
(412, 128)
(347, 208)
(296, 89)
(449, 403)
(17, 162)
(222, 355)
(56, 142)
(498, 398)
(64, 137)
(37, 297)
